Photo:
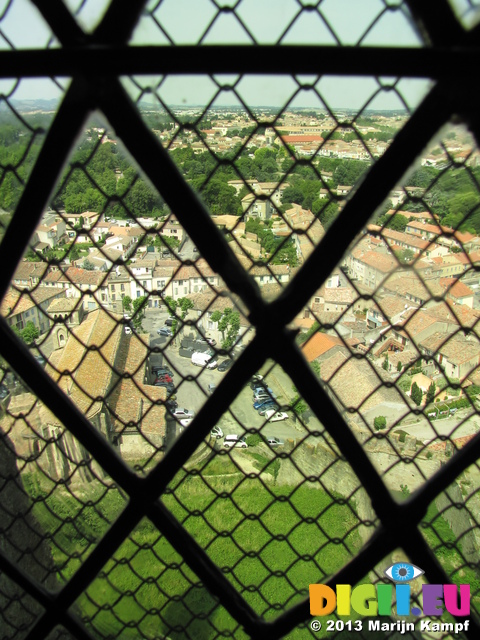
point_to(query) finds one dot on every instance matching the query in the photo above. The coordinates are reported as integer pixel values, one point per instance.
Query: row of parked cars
(265, 402)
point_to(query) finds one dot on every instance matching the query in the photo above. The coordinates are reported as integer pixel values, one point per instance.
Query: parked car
(211, 388)
(274, 442)
(164, 331)
(262, 402)
(163, 378)
(183, 413)
(209, 341)
(275, 416)
(159, 370)
(260, 389)
(234, 441)
(201, 359)
(169, 321)
(268, 407)
(225, 365)
(3, 392)
(41, 360)
(171, 404)
(128, 331)
(168, 386)
(185, 422)
(216, 432)
(264, 395)
(212, 364)
(256, 378)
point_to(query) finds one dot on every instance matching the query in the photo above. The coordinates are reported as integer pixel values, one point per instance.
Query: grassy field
(448, 550)
(147, 591)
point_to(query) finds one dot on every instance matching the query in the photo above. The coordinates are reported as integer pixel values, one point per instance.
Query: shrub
(431, 393)
(404, 383)
(380, 423)
(416, 394)
(253, 439)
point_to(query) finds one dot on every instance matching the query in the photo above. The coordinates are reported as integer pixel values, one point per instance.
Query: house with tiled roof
(458, 292)
(303, 220)
(415, 326)
(387, 310)
(89, 218)
(190, 279)
(368, 391)
(319, 344)
(370, 268)
(130, 413)
(406, 241)
(29, 274)
(51, 232)
(21, 306)
(448, 265)
(457, 355)
(408, 286)
(118, 286)
(427, 231)
(456, 315)
(89, 285)
(257, 205)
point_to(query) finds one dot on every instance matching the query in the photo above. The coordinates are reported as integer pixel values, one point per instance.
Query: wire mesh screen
(239, 348)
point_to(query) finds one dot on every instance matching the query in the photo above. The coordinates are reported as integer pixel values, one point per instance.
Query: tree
(316, 367)
(139, 305)
(416, 394)
(185, 304)
(298, 405)
(397, 222)
(127, 303)
(88, 265)
(293, 194)
(399, 366)
(385, 362)
(74, 253)
(405, 490)
(228, 324)
(405, 256)
(431, 393)
(30, 332)
(379, 423)
(171, 304)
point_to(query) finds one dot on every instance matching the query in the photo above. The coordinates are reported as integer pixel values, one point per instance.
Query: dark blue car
(261, 403)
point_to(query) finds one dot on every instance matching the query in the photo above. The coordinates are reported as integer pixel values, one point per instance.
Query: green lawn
(146, 590)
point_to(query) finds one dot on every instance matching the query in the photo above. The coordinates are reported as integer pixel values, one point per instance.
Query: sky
(192, 21)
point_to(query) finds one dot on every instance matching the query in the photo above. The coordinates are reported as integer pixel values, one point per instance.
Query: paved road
(188, 251)
(451, 426)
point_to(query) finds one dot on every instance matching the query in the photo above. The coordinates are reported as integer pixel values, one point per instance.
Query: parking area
(192, 386)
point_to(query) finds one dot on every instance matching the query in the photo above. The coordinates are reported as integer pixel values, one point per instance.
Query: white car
(212, 364)
(216, 432)
(183, 413)
(186, 421)
(128, 331)
(274, 442)
(234, 441)
(275, 416)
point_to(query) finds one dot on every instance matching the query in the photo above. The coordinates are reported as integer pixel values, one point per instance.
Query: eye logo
(403, 572)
